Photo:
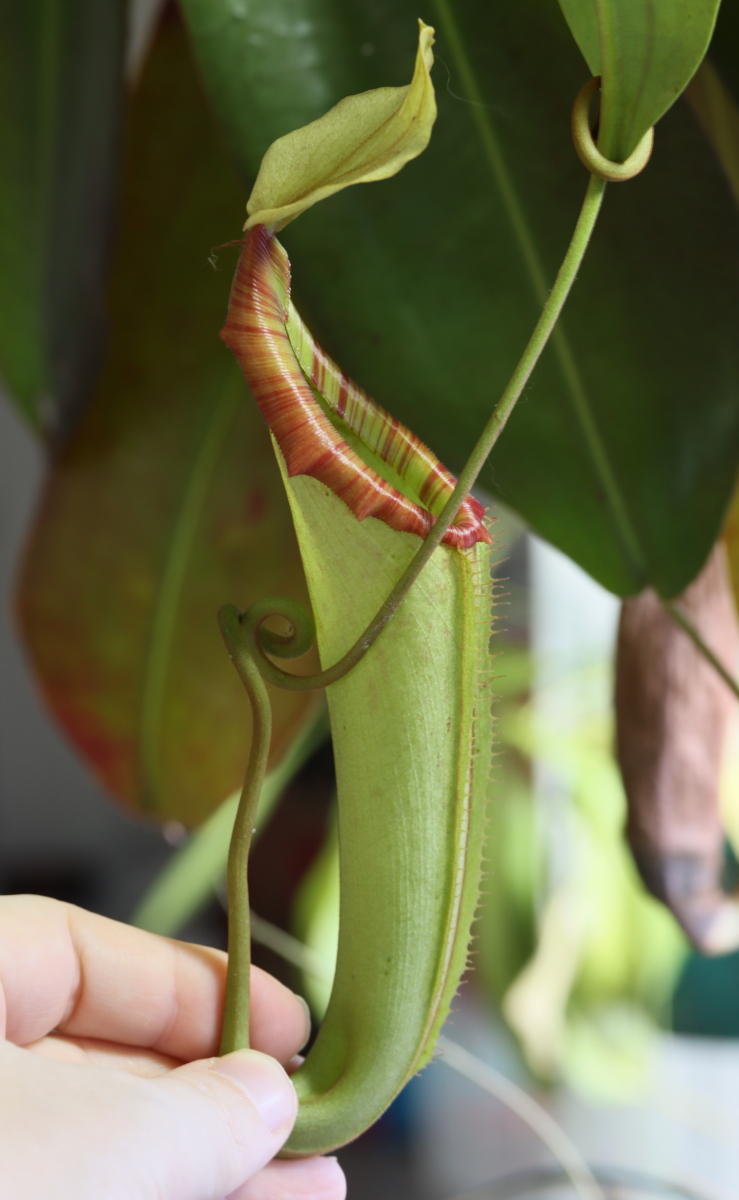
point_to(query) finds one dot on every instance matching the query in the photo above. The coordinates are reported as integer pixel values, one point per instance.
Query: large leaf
(168, 503)
(646, 52)
(623, 451)
(61, 84)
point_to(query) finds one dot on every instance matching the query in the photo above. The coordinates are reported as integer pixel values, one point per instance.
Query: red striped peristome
(258, 329)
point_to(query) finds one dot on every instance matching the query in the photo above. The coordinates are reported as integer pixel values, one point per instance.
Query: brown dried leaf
(672, 710)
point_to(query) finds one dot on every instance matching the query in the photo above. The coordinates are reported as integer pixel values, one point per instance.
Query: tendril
(260, 642)
(588, 152)
(235, 1034)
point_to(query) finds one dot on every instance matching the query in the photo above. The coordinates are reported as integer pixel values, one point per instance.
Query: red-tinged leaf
(168, 503)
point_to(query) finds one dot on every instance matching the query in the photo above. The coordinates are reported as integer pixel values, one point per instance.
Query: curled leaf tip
(363, 138)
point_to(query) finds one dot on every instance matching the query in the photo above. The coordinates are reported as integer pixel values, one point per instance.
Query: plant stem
(680, 618)
(481, 115)
(197, 868)
(490, 434)
(503, 409)
(235, 1035)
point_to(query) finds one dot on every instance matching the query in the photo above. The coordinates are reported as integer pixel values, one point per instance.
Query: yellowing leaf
(363, 138)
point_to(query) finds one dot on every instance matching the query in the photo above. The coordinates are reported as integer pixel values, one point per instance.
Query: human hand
(108, 1087)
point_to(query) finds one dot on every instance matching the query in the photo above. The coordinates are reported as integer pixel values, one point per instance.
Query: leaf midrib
(168, 599)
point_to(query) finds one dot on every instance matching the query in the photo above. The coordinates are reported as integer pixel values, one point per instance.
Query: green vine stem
(261, 643)
(235, 1034)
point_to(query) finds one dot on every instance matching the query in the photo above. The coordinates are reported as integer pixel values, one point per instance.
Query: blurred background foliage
(121, 180)
(61, 94)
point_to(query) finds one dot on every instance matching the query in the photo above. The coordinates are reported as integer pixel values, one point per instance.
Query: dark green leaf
(623, 451)
(168, 502)
(61, 85)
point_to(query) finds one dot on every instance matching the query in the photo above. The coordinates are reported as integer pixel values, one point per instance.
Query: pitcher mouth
(325, 425)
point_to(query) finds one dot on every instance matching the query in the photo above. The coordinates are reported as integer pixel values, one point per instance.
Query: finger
(66, 969)
(114, 1057)
(300, 1179)
(197, 1133)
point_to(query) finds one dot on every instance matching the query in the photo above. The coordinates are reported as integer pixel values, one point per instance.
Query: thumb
(196, 1133)
(220, 1121)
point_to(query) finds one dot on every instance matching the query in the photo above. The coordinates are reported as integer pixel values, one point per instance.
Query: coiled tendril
(245, 634)
(589, 153)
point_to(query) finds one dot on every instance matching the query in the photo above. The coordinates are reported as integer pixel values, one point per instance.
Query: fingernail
(263, 1080)
(308, 1022)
